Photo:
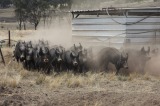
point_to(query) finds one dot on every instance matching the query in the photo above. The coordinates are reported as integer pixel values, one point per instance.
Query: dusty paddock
(21, 87)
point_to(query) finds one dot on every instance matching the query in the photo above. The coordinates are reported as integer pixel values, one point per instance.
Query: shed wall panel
(112, 29)
(111, 20)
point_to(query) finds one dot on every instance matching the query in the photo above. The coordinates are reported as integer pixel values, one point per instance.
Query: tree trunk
(20, 25)
(44, 22)
(24, 25)
(35, 25)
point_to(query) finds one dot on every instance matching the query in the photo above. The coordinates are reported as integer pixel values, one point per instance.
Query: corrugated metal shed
(117, 25)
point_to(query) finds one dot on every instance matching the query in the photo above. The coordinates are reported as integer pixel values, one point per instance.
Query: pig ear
(56, 52)
(78, 55)
(71, 54)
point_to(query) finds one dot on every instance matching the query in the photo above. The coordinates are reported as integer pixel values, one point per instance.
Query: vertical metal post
(2, 56)
(155, 39)
(9, 38)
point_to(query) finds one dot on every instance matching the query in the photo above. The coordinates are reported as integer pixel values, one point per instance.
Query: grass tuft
(10, 81)
(98, 103)
(146, 77)
(122, 78)
(40, 79)
(24, 73)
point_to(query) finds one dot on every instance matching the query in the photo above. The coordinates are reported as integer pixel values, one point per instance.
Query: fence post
(2, 56)
(9, 38)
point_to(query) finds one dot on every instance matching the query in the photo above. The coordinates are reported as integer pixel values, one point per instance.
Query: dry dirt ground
(19, 87)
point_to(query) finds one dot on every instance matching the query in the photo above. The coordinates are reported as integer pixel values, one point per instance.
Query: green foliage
(34, 10)
(5, 3)
(30, 10)
(21, 10)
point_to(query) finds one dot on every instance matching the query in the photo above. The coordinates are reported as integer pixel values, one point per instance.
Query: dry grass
(147, 77)
(98, 103)
(9, 78)
(40, 79)
(76, 81)
(24, 73)
(95, 103)
(66, 80)
(122, 78)
(111, 76)
(14, 73)
(70, 80)
(137, 76)
(133, 76)
(91, 80)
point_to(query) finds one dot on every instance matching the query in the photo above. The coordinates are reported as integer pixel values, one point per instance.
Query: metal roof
(141, 11)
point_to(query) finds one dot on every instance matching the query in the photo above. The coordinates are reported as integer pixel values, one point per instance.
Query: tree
(20, 11)
(30, 10)
(5, 3)
(36, 10)
(39, 9)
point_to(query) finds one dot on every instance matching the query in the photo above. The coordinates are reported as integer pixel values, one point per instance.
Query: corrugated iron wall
(117, 30)
(146, 31)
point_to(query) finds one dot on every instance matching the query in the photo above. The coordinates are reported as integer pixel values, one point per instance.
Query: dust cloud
(56, 32)
(153, 66)
(140, 64)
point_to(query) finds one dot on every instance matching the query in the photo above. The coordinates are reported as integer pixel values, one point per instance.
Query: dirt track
(111, 93)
